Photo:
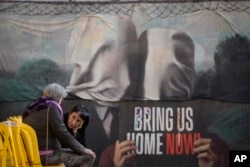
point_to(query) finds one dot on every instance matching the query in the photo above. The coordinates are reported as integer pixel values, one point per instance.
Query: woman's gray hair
(55, 91)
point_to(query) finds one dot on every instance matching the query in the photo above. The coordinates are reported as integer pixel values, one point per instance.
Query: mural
(165, 82)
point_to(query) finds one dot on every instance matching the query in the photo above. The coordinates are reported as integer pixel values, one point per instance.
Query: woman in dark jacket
(45, 116)
(76, 122)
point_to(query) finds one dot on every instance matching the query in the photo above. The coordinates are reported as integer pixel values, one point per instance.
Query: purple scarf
(42, 103)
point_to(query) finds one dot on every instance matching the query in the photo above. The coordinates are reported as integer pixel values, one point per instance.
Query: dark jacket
(57, 131)
(96, 137)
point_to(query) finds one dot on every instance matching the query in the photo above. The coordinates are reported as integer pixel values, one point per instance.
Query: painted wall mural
(167, 81)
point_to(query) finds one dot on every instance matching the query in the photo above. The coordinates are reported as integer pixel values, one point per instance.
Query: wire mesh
(153, 9)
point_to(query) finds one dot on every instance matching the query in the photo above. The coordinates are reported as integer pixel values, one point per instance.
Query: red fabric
(106, 159)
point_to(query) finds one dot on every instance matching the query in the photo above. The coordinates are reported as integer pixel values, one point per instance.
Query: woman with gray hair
(45, 116)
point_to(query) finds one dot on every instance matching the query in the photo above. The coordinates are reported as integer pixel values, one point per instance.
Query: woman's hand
(76, 129)
(124, 153)
(90, 152)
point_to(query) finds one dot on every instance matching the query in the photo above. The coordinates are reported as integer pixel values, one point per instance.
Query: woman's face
(75, 121)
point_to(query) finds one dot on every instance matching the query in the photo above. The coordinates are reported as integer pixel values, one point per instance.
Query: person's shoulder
(54, 110)
(106, 159)
(110, 150)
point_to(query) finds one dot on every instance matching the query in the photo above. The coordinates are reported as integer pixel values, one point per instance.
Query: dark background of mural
(229, 79)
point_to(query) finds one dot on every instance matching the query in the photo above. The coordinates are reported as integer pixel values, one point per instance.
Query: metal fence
(153, 9)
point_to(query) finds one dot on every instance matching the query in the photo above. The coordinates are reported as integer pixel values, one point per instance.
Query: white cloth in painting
(101, 48)
(169, 67)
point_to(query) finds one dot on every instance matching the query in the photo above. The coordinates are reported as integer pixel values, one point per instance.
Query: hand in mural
(123, 155)
(210, 152)
(203, 149)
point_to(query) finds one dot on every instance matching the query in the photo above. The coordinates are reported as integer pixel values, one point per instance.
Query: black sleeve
(80, 136)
